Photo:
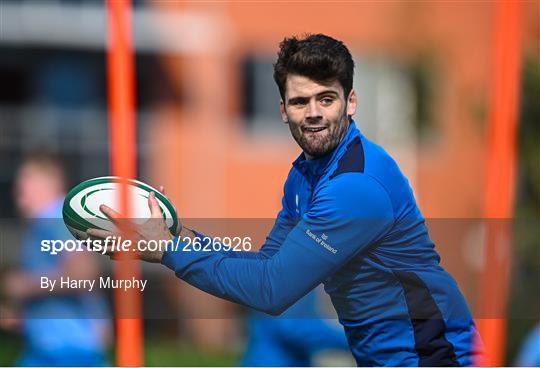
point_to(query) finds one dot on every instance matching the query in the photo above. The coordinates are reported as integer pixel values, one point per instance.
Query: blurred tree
(524, 303)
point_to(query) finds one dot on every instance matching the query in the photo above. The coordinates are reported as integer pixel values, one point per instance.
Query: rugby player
(349, 220)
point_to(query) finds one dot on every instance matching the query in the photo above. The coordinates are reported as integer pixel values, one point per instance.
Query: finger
(99, 233)
(162, 189)
(155, 211)
(103, 234)
(110, 213)
(109, 247)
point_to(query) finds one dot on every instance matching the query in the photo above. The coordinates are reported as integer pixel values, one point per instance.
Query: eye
(297, 102)
(326, 101)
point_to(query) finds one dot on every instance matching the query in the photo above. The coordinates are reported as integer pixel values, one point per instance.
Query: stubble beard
(317, 147)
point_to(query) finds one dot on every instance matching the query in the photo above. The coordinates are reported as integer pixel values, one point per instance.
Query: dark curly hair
(317, 57)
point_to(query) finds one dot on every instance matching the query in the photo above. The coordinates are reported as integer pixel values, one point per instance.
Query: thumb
(155, 210)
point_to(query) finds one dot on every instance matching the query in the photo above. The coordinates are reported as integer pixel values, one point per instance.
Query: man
(349, 220)
(64, 327)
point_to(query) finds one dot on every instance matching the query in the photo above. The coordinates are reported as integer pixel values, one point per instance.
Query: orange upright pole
(121, 96)
(500, 178)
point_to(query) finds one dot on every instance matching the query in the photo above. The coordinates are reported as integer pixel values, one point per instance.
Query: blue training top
(64, 329)
(350, 220)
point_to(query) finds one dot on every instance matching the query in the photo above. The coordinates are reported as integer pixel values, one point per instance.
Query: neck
(45, 201)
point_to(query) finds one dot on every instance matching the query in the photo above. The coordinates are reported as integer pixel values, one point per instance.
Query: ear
(351, 103)
(284, 116)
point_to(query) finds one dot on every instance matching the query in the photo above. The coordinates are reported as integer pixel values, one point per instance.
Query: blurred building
(208, 119)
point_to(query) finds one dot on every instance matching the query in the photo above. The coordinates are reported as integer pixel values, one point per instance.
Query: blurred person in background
(294, 339)
(529, 354)
(62, 328)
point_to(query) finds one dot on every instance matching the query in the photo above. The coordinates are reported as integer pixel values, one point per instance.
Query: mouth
(313, 129)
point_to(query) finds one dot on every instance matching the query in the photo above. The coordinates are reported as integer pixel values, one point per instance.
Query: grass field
(157, 353)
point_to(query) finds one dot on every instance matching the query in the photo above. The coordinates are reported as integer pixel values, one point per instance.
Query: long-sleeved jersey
(350, 221)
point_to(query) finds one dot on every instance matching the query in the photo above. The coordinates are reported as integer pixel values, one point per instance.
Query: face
(34, 190)
(317, 114)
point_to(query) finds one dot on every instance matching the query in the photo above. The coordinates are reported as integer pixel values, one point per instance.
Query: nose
(313, 110)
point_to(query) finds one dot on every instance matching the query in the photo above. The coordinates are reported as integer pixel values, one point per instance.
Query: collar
(318, 166)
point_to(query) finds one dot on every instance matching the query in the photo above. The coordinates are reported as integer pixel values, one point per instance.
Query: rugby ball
(81, 205)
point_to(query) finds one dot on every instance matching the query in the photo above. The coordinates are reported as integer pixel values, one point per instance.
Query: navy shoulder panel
(352, 160)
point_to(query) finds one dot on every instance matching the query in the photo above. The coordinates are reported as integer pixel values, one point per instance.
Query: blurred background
(209, 129)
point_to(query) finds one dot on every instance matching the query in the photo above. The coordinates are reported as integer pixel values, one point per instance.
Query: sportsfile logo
(322, 241)
(113, 244)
